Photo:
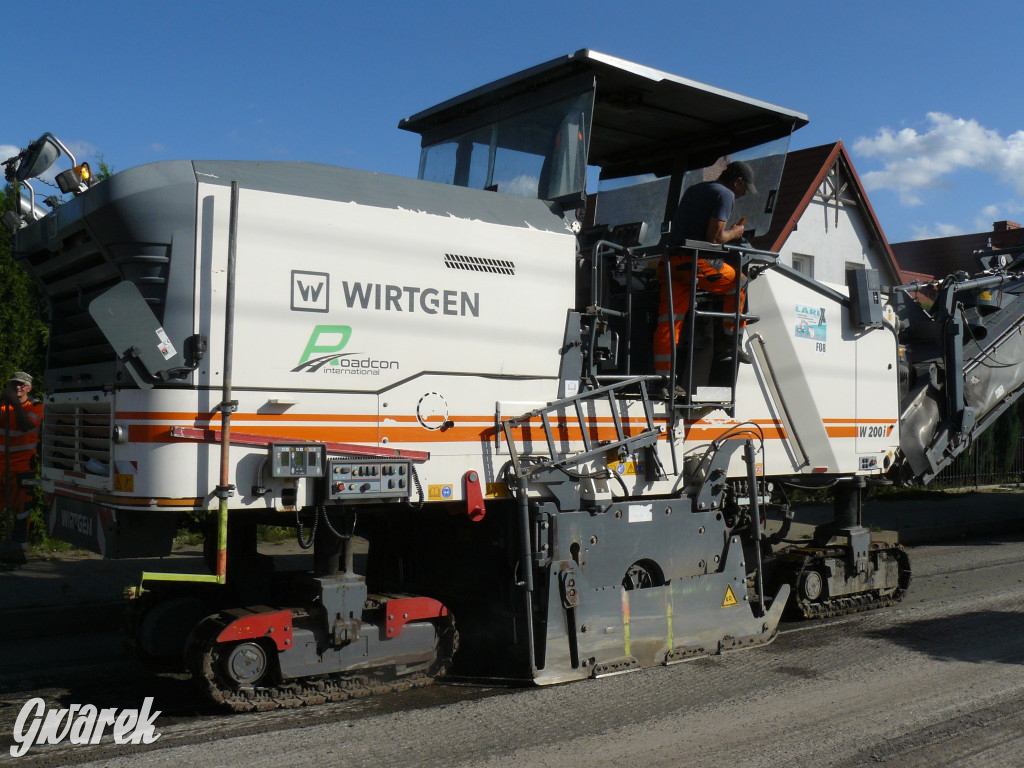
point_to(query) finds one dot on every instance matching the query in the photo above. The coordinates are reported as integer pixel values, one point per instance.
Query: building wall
(834, 246)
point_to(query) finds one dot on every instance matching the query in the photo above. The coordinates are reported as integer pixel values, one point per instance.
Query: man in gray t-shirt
(702, 215)
(706, 207)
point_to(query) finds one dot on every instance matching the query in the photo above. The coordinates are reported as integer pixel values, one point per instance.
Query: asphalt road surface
(936, 681)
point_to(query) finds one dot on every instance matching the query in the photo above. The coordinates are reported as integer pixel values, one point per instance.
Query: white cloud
(523, 185)
(1008, 210)
(8, 151)
(935, 230)
(82, 150)
(919, 161)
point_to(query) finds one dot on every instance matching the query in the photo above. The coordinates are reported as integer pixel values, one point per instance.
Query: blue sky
(927, 96)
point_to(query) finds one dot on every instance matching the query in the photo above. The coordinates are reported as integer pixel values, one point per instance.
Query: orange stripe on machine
(362, 428)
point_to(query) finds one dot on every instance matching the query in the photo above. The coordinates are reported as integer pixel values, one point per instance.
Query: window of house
(804, 264)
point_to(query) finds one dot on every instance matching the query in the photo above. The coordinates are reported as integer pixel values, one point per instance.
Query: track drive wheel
(812, 586)
(245, 663)
(234, 675)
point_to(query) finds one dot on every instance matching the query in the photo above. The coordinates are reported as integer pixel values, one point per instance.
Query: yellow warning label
(630, 467)
(124, 483)
(439, 492)
(497, 491)
(730, 597)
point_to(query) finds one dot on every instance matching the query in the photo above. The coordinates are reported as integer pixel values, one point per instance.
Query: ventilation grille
(76, 437)
(477, 264)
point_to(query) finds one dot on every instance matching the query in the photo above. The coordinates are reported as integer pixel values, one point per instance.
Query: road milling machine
(446, 386)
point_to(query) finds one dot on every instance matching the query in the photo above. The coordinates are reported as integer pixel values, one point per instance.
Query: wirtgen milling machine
(446, 385)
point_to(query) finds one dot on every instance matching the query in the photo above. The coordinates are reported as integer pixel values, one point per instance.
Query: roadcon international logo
(324, 354)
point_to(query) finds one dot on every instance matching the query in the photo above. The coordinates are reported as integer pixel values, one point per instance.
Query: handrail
(591, 450)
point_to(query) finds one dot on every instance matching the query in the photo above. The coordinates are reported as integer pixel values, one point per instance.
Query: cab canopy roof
(644, 120)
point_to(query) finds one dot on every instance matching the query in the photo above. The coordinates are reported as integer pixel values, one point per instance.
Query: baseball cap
(21, 377)
(738, 168)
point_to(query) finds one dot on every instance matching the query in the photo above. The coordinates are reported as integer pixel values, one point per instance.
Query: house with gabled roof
(822, 222)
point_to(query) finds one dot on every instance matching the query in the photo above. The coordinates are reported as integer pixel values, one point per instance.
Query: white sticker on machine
(165, 346)
(641, 513)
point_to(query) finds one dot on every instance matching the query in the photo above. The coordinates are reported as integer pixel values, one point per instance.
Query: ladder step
(726, 315)
(712, 395)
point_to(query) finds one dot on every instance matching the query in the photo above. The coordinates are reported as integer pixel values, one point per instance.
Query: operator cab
(611, 146)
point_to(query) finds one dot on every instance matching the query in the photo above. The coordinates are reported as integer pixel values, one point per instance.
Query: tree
(105, 169)
(23, 329)
(22, 326)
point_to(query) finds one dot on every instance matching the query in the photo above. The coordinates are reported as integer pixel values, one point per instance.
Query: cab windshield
(645, 198)
(540, 151)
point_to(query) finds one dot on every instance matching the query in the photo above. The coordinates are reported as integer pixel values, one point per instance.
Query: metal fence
(985, 464)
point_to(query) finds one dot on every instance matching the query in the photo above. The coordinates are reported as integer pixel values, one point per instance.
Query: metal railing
(563, 451)
(985, 463)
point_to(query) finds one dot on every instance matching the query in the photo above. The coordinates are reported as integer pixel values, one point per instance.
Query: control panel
(296, 460)
(366, 478)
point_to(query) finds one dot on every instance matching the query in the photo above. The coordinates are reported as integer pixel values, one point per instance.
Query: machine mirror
(37, 158)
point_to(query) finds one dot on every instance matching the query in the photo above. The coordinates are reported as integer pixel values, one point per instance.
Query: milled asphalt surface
(77, 592)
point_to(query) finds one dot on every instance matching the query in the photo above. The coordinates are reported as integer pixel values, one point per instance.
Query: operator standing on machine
(20, 418)
(702, 215)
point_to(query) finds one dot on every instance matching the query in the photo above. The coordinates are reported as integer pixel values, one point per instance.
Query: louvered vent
(477, 264)
(74, 433)
(75, 273)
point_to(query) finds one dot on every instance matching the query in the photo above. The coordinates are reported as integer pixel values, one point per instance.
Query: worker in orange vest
(21, 418)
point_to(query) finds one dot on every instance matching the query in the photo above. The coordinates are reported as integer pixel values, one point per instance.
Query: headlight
(75, 180)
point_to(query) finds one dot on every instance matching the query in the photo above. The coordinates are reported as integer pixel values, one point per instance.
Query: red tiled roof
(909, 276)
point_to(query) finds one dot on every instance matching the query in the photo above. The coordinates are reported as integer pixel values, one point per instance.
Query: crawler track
(798, 564)
(204, 656)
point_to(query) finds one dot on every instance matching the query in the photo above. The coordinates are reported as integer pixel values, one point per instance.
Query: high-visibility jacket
(20, 445)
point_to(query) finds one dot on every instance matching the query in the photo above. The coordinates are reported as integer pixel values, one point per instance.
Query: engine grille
(77, 437)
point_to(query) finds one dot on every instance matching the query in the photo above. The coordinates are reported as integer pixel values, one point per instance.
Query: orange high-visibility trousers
(713, 276)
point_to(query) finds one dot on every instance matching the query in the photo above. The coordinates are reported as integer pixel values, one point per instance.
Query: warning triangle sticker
(730, 597)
